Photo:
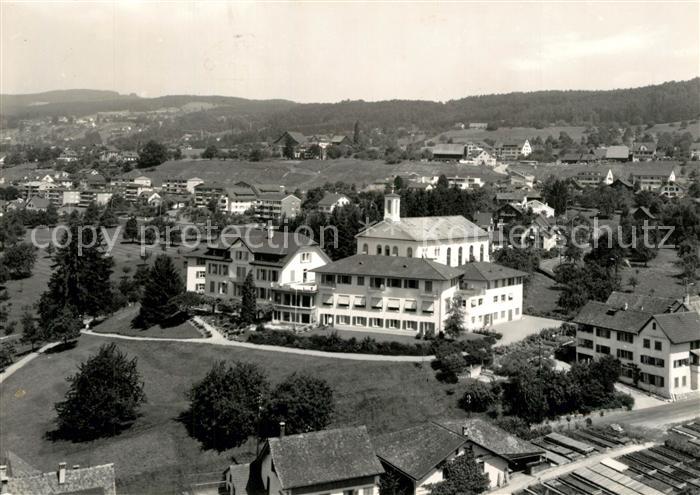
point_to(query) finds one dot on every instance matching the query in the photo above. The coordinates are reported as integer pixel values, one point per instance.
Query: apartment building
(238, 200)
(450, 240)
(98, 197)
(276, 206)
(491, 294)
(464, 183)
(650, 176)
(594, 177)
(656, 339)
(180, 186)
(331, 201)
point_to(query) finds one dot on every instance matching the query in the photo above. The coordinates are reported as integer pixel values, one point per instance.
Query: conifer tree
(248, 301)
(162, 286)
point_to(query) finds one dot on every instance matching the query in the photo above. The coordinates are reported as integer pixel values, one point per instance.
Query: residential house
(448, 152)
(465, 183)
(331, 201)
(297, 140)
(416, 456)
(650, 176)
(37, 203)
(485, 220)
(333, 462)
(643, 152)
(594, 177)
(671, 191)
(619, 153)
(512, 150)
(68, 156)
(478, 156)
(277, 206)
(622, 184)
(540, 208)
(657, 340)
(491, 294)
(521, 180)
(497, 452)
(17, 477)
(238, 200)
(341, 140)
(451, 240)
(642, 213)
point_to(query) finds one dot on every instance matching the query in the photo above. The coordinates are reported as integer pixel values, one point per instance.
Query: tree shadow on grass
(70, 435)
(63, 346)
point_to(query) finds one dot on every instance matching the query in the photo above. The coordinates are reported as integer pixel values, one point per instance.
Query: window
(410, 283)
(675, 382)
(365, 249)
(602, 333)
(623, 354)
(201, 274)
(503, 297)
(345, 279)
(647, 344)
(376, 322)
(386, 250)
(342, 319)
(394, 282)
(510, 296)
(652, 361)
(212, 286)
(376, 282)
(658, 345)
(602, 349)
(471, 253)
(495, 298)
(379, 249)
(481, 253)
(459, 256)
(449, 256)
(328, 279)
(625, 337)
(428, 286)
(409, 252)
(393, 324)
(410, 325)
(306, 257)
(360, 280)
(395, 251)
(680, 363)
(359, 321)
(683, 381)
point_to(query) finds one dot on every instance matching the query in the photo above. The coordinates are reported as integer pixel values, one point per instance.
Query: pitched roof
(680, 327)
(275, 196)
(601, 315)
(296, 136)
(391, 266)
(425, 229)
(650, 146)
(416, 451)
(448, 149)
(640, 302)
(483, 218)
(643, 209)
(323, 457)
(492, 438)
(330, 199)
(617, 152)
(483, 270)
(261, 241)
(661, 169)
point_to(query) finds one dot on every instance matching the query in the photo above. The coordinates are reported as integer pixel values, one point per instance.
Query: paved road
(9, 371)
(656, 417)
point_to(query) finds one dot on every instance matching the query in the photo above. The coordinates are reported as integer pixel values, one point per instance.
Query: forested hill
(667, 102)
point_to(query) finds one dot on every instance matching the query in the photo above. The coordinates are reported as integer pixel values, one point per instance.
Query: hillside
(667, 102)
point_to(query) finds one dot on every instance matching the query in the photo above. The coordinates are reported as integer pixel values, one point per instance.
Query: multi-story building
(656, 339)
(491, 294)
(671, 191)
(238, 200)
(468, 182)
(206, 193)
(181, 186)
(70, 197)
(276, 206)
(651, 176)
(98, 197)
(642, 152)
(594, 177)
(450, 240)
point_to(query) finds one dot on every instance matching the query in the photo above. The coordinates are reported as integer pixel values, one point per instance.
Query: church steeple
(392, 207)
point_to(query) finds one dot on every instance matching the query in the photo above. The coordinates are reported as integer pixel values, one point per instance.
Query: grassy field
(510, 133)
(661, 278)
(157, 451)
(541, 295)
(120, 323)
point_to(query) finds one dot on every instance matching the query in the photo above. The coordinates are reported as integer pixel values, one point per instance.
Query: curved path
(218, 339)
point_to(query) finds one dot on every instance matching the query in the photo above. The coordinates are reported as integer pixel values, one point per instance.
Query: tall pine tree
(162, 286)
(79, 283)
(249, 307)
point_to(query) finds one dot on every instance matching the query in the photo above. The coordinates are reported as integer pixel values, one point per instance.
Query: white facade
(490, 303)
(70, 198)
(540, 208)
(526, 150)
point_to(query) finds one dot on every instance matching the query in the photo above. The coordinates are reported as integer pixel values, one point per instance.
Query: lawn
(541, 296)
(120, 323)
(661, 278)
(156, 454)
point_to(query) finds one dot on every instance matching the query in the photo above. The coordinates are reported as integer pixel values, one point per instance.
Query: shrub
(478, 396)
(681, 444)
(519, 428)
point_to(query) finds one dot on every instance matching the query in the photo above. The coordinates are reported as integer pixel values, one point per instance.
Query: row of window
(652, 361)
(266, 275)
(292, 317)
(377, 303)
(217, 269)
(495, 316)
(394, 251)
(388, 323)
(604, 333)
(376, 282)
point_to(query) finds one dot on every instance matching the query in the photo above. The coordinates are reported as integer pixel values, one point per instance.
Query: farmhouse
(331, 201)
(448, 152)
(651, 176)
(334, 462)
(451, 240)
(642, 152)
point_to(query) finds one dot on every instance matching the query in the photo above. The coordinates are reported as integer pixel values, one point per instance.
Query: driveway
(514, 331)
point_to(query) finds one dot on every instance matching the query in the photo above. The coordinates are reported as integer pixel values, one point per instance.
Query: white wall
(433, 250)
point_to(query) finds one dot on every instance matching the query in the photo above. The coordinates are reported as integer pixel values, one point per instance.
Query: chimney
(61, 473)
(282, 429)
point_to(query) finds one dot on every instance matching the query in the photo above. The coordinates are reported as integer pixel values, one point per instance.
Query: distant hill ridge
(667, 102)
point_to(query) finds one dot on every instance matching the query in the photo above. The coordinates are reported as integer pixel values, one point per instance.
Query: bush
(519, 427)
(334, 343)
(478, 396)
(681, 444)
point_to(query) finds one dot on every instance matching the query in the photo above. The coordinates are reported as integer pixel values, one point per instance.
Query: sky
(332, 51)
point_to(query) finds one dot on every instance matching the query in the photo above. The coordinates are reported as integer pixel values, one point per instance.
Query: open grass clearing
(157, 451)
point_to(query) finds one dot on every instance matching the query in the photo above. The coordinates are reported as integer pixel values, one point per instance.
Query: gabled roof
(483, 218)
(391, 266)
(601, 315)
(38, 202)
(492, 438)
(275, 196)
(660, 169)
(644, 210)
(617, 152)
(485, 271)
(641, 302)
(680, 327)
(323, 457)
(298, 137)
(416, 451)
(448, 149)
(425, 229)
(330, 199)
(649, 146)
(260, 241)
